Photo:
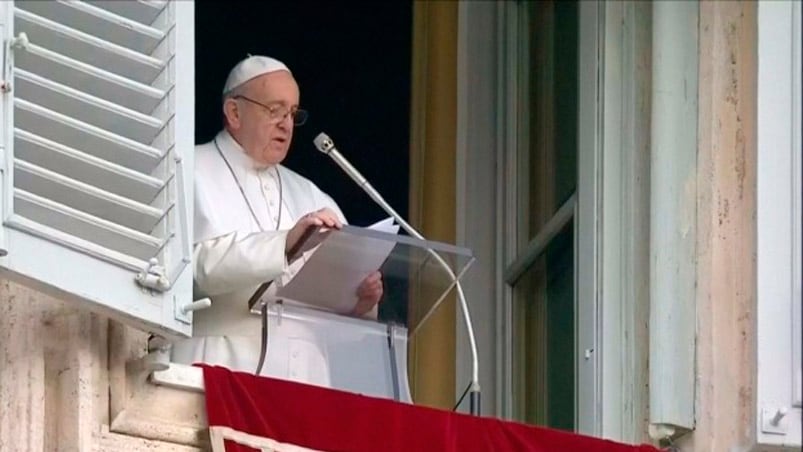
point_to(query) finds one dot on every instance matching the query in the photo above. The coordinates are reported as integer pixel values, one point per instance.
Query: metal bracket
(154, 277)
(153, 361)
(183, 313)
(661, 431)
(773, 420)
(279, 312)
(157, 342)
(394, 366)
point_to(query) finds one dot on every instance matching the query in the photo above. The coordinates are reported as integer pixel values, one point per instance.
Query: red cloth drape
(330, 420)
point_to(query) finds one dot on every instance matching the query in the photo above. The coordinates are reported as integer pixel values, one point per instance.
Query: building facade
(628, 175)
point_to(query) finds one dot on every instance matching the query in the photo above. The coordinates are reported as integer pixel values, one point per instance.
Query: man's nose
(287, 121)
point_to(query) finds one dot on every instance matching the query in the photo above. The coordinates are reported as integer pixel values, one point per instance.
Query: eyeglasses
(276, 113)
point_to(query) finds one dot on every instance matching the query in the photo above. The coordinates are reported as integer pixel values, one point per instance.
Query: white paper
(333, 272)
(385, 225)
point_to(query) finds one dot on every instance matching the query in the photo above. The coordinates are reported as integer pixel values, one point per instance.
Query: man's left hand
(368, 294)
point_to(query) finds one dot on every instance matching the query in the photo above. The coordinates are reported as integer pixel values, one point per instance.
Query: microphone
(325, 144)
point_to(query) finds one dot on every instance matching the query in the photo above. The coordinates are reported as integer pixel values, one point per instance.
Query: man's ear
(231, 111)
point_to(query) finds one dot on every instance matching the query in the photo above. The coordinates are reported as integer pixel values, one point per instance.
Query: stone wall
(70, 381)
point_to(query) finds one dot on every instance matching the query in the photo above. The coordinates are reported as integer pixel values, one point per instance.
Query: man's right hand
(325, 218)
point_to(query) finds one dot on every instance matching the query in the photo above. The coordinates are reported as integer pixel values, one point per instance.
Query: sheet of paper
(385, 225)
(332, 274)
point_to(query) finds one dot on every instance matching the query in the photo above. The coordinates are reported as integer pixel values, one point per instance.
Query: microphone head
(324, 143)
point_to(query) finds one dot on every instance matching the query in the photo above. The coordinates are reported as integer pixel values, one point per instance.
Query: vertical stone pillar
(22, 370)
(52, 373)
(726, 227)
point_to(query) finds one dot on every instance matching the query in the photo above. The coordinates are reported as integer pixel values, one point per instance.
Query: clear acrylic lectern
(364, 355)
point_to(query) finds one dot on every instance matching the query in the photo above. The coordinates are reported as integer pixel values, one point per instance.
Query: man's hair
(234, 92)
(230, 94)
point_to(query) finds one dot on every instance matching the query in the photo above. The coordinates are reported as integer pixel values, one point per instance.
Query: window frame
(609, 295)
(778, 199)
(516, 259)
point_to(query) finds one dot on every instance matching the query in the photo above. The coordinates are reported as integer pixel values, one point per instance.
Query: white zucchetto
(252, 66)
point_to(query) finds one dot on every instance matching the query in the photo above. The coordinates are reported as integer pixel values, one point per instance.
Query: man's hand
(324, 218)
(368, 294)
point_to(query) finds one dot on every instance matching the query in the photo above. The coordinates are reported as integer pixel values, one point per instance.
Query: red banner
(249, 413)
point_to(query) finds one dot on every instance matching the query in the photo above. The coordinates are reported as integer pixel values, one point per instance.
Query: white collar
(241, 163)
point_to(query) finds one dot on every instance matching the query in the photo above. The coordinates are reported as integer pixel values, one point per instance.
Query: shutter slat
(93, 80)
(85, 226)
(87, 48)
(144, 12)
(87, 108)
(84, 197)
(98, 22)
(85, 246)
(84, 167)
(86, 137)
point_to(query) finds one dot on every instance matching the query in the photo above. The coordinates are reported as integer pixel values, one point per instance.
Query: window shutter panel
(98, 135)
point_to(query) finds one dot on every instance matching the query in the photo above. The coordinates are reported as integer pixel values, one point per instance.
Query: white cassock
(234, 253)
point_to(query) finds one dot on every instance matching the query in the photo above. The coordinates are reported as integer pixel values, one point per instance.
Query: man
(249, 212)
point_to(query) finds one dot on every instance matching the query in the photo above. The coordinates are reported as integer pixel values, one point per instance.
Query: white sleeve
(234, 261)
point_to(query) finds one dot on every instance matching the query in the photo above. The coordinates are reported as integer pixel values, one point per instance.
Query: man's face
(261, 129)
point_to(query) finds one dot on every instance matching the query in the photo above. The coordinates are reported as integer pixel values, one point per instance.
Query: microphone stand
(325, 144)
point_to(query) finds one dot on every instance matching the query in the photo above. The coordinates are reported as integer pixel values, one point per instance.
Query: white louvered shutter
(97, 127)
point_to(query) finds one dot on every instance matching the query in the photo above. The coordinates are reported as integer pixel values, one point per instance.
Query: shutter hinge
(21, 41)
(154, 277)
